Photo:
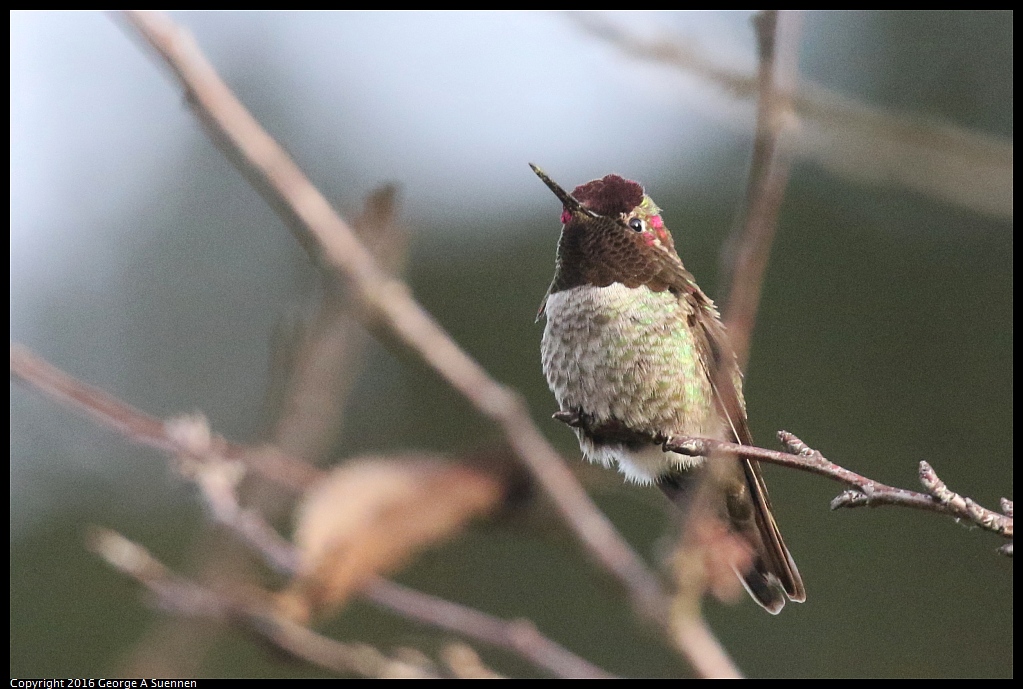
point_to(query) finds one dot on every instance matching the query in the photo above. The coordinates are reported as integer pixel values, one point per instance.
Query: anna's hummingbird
(632, 348)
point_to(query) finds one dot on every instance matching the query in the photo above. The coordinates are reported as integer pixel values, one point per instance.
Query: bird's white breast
(626, 354)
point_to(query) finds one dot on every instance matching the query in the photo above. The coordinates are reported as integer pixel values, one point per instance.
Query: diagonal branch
(388, 302)
(520, 636)
(134, 424)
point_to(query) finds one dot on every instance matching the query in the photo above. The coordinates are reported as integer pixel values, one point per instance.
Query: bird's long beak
(571, 205)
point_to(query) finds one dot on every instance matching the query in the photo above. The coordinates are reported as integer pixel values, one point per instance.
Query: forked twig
(248, 612)
(864, 492)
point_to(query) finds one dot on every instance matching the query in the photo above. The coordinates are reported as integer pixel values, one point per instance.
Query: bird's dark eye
(636, 224)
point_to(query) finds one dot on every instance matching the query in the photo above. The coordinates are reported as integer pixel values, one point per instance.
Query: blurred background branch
(217, 467)
(313, 369)
(749, 247)
(704, 551)
(182, 597)
(848, 137)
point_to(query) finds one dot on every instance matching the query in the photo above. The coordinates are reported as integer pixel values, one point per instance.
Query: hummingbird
(632, 349)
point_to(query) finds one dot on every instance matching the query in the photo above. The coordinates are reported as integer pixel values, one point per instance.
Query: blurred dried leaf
(371, 516)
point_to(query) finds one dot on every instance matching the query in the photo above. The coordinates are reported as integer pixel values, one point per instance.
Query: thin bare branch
(865, 492)
(251, 613)
(136, 425)
(102, 408)
(388, 301)
(519, 636)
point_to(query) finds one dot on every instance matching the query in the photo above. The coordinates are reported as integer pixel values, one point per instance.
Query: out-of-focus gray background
(142, 262)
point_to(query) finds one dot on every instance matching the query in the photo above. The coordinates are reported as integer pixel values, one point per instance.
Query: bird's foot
(571, 417)
(683, 445)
